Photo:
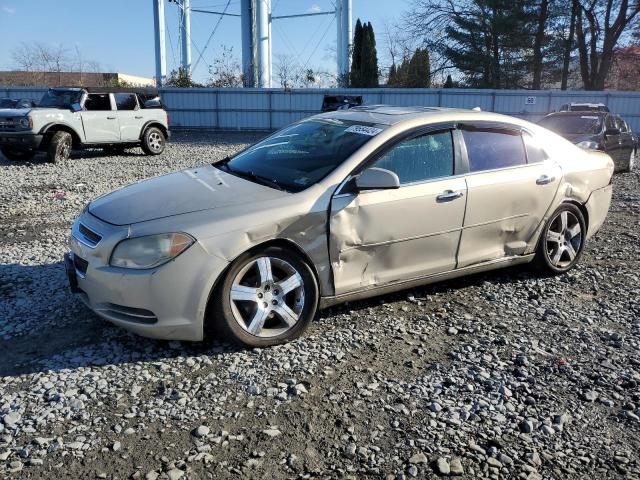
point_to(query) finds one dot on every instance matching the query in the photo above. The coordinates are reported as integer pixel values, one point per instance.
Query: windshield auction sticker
(363, 130)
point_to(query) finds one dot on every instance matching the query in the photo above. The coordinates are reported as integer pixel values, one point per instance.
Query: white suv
(72, 118)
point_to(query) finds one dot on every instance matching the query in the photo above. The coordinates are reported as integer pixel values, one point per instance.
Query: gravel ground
(502, 375)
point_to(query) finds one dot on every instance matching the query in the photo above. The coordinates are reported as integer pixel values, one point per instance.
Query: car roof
(392, 115)
(579, 113)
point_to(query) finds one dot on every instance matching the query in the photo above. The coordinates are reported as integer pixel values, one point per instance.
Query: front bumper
(168, 302)
(20, 140)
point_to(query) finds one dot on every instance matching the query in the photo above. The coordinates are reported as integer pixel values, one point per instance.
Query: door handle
(111, 118)
(138, 117)
(448, 196)
(545, 179)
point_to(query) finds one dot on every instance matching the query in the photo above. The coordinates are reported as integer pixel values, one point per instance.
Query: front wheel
(17, 154)
(266, 298)
(562, 240)
(153, 141)
(59, 147)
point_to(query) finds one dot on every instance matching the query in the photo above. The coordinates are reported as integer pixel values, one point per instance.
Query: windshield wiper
(251, 175)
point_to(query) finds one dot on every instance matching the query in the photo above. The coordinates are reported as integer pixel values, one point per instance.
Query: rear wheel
(59, 147)
(265, 299)
(18, 154)
(562, 241)
(153, 141)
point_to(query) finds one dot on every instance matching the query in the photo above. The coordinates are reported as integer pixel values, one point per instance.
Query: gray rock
(442, 466)
(456, 467)
(201, 431)
(419, 458)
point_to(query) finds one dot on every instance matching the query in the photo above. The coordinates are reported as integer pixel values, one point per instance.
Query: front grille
(128, 314)
(80, 264)
(89, 236)
(7, 124)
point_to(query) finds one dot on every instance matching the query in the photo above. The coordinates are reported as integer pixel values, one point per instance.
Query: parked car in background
(584, 107)
(74, 118)
(340, 206)
(331, 103)
(16, 103)
(601, 131)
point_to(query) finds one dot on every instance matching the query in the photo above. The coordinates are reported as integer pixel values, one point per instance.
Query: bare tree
(599, 26)
(287, 71)
(226, 70)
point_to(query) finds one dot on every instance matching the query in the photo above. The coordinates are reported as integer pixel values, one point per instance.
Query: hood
(14, 112)
(196, 189)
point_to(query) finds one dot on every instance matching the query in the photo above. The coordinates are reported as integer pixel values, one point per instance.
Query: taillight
(168, 118)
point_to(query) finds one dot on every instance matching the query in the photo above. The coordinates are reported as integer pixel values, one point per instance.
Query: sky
(118, 34)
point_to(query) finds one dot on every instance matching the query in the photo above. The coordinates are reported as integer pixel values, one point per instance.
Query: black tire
(227, 327)
(18, 154)
(631, 163)
(153, 141)
(560, 248)
(60, 147)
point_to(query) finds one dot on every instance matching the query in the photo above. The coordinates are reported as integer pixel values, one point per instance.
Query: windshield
(573, 124)
(60, 98)
(302, 154)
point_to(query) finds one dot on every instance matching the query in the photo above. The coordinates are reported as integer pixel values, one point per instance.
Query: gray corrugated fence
(268, 109)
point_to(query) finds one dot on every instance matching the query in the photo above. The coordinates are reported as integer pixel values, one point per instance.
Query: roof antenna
(476, 109)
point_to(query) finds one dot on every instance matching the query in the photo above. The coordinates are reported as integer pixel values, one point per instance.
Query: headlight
(588, 145)
(26, 122)
(150, 251)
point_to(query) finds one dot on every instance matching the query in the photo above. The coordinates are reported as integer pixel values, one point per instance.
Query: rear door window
(125, 101)
(492, 149)
(535, 152)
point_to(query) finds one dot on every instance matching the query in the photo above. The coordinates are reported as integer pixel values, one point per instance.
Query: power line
(318, 44)
(211, 36)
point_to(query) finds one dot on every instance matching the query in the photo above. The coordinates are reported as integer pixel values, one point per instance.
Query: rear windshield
(60, 98)
(573, 124)
(302, 154)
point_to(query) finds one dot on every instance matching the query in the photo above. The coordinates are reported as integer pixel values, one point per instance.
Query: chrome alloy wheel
(564, 239)
(155, 141)
(267, 297)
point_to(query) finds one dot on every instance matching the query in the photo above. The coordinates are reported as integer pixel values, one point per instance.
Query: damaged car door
(511, 184)
(384, 236)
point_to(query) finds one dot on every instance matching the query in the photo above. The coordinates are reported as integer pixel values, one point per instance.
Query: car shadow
(44, 327)
(500, 276)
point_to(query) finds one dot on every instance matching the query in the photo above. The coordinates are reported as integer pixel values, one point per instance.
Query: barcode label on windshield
(363, 130)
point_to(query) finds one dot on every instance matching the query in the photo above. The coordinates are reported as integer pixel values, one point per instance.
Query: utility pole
(263, 42)
(247, 11)
(186, 36)
(159, 30)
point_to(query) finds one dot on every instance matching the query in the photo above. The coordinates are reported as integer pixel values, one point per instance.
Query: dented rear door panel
(504, 209)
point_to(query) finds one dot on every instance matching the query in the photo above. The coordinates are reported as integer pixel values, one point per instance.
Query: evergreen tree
(418, 70)
(488, 41)
(391, 80)
(364, 63)
(449, 82)
(356, 57)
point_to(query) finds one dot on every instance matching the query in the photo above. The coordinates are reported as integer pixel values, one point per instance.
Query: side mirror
(612, 131)
(76, 107)
(377, 179)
